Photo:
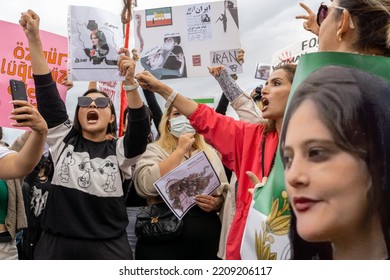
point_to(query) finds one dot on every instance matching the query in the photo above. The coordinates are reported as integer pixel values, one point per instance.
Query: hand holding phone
(18, 91)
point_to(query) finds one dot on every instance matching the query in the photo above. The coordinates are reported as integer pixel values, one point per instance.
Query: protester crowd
(74, 189)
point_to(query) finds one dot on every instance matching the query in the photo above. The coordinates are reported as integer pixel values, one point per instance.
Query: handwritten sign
(228, 59)
(294, 52)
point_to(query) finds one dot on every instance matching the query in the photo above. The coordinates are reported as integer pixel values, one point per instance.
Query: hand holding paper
(209, 203)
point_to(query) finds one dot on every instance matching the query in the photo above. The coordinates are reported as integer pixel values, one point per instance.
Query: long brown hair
(290, 71)
(354, 106)
(372, 18)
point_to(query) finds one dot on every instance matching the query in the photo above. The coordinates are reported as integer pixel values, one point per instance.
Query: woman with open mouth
(243, 146)
(85, 215)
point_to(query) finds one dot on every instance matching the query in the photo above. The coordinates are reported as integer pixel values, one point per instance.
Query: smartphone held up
(18, 91)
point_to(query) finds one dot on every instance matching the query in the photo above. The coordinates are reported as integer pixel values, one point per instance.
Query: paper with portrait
(179, 187)
(180, 41)
(95, 37)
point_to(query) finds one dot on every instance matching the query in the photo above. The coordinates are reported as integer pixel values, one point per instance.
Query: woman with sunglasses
(243, 146)
(358, 26)
(334, 145)
(85, 215)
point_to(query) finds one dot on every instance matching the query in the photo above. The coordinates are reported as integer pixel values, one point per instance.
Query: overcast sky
(265, 27)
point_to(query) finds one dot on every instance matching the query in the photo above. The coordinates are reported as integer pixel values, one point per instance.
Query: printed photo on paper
(95, 37)
(179, 187)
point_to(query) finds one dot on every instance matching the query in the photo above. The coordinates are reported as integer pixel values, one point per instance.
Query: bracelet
(131, 87)
(171, 98)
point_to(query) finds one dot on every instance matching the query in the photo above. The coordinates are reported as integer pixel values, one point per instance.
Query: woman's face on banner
(95, 40)
(169, 43)
(156, 60)
(327, 186)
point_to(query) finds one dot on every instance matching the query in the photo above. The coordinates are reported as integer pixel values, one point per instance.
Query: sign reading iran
(15, 64)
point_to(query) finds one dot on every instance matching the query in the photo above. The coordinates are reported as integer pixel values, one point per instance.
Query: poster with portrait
(179, 187)
(95, 36)
(181, 41)
(15, 64)
(262, 71)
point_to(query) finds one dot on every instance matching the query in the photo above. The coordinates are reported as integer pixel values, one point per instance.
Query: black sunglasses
(100, 102)
(323, 13)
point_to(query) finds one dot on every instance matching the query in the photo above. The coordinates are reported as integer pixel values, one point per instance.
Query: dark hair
(257, 95)
(46, 162)
(290, 69)
(111, 128)
(92, 25)
(373, 24)
(355, 107)
(150, 114)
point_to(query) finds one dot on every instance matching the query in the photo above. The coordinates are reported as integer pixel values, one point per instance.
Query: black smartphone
(18, 91)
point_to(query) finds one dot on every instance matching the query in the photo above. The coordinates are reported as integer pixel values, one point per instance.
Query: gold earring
(339, 36)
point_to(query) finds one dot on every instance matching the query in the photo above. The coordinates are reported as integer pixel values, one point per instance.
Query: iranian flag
(205, 100)
(158, 17)
(266, 232)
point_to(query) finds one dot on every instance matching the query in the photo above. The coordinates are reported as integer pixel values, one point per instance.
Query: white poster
(179, 187)
(181, 41)
(262, 71)
(293, 53)
(228, 58)
(95, 36)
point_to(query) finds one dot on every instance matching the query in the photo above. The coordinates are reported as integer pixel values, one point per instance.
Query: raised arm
(126, 67)
(30, 24)
(138, 127)
(226, 82)
(154, 107)
(19, 164)
(49, 102)
(185, 106)
(311, 20)
(244, 106)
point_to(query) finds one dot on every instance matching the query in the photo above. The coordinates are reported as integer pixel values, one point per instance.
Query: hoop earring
(339, 36)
